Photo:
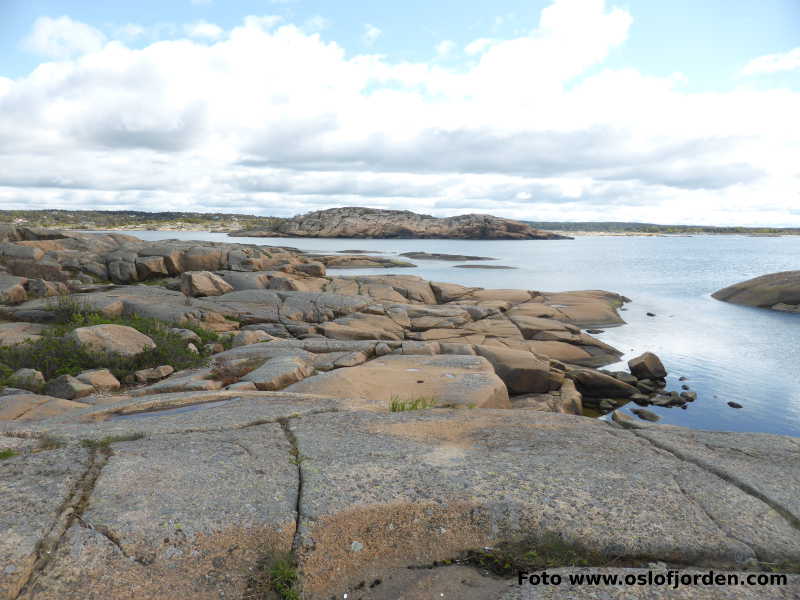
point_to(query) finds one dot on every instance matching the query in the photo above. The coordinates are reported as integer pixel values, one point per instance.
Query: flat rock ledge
(155, 502)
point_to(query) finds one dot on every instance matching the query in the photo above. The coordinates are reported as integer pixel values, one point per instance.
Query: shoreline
(354, 427)
(558, 232)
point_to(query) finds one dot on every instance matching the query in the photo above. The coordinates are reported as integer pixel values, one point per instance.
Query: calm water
(728, 352)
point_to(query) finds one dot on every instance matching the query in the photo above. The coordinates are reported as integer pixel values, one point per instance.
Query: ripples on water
(729, 353)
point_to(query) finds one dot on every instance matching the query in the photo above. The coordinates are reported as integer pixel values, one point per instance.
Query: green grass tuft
(7, 453)
(275, 578)
(420, 403)
(111, 439)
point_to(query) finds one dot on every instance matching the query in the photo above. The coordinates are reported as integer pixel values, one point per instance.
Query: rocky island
(778, 291)
(359, 222)
(195, 419)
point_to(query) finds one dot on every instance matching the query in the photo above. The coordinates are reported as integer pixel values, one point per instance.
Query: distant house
(19, 220)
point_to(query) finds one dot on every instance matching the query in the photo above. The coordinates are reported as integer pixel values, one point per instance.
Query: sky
(562, 110)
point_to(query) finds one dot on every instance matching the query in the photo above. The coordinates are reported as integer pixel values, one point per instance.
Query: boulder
(245, 338)
(154, 374)
(599, 385)
(68, 388)
(278, 373)
(19, 251)
(204, 283)
(116, 339)
(186, 334)
(171, 255)
(101, 380)
(12, 289)
(313, 268)
(522, 372)
(27, 379)
(450, 380)
(17, 333)
(148, 267)
(34, 407)
(190, 380)
(204, 258)
(647, 366)
(46, 289)
(122, 271)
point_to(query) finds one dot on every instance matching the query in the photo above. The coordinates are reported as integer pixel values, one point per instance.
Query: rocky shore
(358, 222)
(377, 436)
(778, 291)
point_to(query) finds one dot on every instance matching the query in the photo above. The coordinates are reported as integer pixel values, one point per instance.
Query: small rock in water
(734, 405)
(645, 414)
(595, 331)
(684, 387)
(682, 378)
(651, 314)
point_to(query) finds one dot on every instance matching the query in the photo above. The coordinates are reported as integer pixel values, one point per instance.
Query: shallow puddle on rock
(171, 411)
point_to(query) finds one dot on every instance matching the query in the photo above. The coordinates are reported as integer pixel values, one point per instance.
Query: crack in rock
(745, 487)
(71, 510)
(713, 519)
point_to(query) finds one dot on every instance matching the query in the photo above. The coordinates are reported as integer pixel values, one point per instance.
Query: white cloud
(201, 29)
(273, 119)
(773, 63)
(62, 38)
(316, 23)
(130, 31)
(478, 46)
(371, 34)
(445, 48)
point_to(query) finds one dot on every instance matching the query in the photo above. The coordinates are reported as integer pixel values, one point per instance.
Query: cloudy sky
(587, 110)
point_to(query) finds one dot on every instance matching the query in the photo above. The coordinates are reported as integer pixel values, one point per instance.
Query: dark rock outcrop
(359, 222)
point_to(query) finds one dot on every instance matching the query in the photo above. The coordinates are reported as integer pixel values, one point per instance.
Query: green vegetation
(7, 453)
(421, 403)
(620, 227)
(275, 578)
(113, 219)
(209, 337)
(549, 551)
(54, 355)
(111, 439)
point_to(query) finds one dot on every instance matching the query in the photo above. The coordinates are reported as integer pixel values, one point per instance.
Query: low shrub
(55, 355)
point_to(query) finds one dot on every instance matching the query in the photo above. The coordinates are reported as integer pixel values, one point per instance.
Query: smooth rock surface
(117, 339)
